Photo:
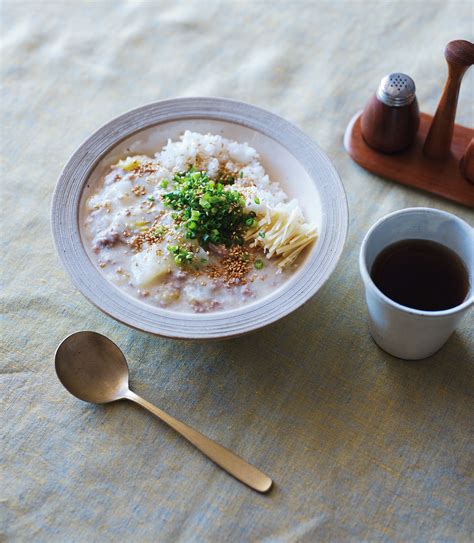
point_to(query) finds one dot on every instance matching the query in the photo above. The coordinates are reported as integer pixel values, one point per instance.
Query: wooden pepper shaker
(459, 55)
(391, 118)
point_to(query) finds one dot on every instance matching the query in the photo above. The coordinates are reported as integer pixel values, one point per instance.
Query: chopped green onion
(150, 198)
(206, 210)
(164, 184)
(258, 264)
(261, 234)
(159, 231)
(181, 255)
(256, 200)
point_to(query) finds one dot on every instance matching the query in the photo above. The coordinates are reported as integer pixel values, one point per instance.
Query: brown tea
(421, 274)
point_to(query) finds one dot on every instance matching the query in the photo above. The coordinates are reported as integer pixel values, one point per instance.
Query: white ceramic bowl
(287, 154)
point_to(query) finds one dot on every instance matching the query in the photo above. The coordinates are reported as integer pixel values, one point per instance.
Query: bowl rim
(121, 306)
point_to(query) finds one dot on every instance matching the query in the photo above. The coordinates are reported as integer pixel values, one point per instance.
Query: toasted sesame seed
(139, 190)
(233, 268)
(152, 235)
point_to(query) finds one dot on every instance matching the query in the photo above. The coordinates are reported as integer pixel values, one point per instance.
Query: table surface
(362, 446)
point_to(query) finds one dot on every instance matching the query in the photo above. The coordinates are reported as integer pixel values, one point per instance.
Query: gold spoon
(94, 369)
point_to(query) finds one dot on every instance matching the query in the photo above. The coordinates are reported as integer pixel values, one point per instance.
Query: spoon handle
(227, 460)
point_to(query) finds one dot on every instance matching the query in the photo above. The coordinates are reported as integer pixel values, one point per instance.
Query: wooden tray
(411, 167)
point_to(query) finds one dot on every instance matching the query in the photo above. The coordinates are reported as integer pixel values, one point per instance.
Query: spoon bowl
(92, 368)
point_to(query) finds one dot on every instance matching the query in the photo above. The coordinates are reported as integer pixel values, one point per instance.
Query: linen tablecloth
(362, 446)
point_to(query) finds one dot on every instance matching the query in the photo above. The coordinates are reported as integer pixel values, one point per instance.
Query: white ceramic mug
(402, 331)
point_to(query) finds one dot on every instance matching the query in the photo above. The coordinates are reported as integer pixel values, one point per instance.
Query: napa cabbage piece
(151, 265)
(132, 162)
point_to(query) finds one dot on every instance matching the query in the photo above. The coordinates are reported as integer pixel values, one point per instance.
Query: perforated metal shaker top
(396, 90)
